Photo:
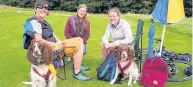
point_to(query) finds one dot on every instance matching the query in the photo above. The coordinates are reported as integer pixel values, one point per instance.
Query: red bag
(154, 73)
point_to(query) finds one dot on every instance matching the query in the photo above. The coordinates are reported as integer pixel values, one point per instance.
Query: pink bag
(154, 73)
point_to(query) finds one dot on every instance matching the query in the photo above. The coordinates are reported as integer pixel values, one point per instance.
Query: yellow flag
(175, 11)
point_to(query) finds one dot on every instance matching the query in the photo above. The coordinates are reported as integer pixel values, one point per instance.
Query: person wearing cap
(44, 32)
(118, 29)
(79, 26)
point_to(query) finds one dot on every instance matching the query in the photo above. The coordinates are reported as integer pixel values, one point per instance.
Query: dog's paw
(123, 78)
(27, 83)
(134, 82)
(112, 82)
(129, 84)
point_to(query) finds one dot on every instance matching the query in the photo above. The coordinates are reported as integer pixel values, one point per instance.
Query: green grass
(14, 67)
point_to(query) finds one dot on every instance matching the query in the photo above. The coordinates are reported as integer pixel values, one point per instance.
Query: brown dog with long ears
(125, 65)
(41, 56)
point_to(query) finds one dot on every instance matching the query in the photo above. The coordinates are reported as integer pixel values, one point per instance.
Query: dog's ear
(30, 56)
(130, 51)
(47, 54)
(118, 53)
(31, 46)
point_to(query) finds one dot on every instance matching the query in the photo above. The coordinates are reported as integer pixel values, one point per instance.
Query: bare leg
(78, 58)
(104, 51)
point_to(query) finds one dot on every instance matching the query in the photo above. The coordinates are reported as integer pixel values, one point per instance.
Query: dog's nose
(36, 52)
(123, 54)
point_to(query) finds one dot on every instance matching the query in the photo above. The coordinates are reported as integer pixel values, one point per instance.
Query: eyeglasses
(41, 7)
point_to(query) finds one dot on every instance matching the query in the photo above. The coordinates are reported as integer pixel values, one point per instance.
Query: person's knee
(79, 38)
(78, 55)
(103, 49)
(102, 46)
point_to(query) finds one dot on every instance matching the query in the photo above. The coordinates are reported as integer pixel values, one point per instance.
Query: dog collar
(46, 76)
(122, 69)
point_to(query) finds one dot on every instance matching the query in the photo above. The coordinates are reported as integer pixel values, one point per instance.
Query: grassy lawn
(15, 68)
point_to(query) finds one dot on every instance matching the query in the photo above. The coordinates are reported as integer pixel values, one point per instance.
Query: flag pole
(162, 40)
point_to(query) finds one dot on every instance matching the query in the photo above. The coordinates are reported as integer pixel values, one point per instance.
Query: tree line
(99, 6)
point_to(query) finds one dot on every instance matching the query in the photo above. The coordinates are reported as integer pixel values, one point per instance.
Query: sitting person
(73, 48)
(118, 29)
(79, 26)
(44, 32)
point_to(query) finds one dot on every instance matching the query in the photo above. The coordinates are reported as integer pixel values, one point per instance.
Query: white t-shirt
(36, 26)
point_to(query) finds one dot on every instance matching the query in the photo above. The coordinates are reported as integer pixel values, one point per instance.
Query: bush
(68, 5)
(99, 6)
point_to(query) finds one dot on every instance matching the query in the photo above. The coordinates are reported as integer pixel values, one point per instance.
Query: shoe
(84, 68)
(81, 76)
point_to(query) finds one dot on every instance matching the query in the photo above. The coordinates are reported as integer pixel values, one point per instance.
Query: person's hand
(59, 41)
(63, 43)
(113, 45)
(52, 44)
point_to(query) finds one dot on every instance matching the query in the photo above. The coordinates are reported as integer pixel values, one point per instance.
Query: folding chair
(62, 58)
(64, 62)
(138, 38)
(64, 67)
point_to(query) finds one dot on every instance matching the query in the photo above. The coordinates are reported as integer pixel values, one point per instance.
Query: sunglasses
(41, 7)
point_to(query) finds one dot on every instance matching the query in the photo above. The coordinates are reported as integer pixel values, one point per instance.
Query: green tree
(99, 6)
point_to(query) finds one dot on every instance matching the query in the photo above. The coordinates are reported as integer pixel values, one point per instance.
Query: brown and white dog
(41, 56)
(125, 65)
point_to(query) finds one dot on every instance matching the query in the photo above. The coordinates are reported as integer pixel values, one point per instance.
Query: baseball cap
(40, 3)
